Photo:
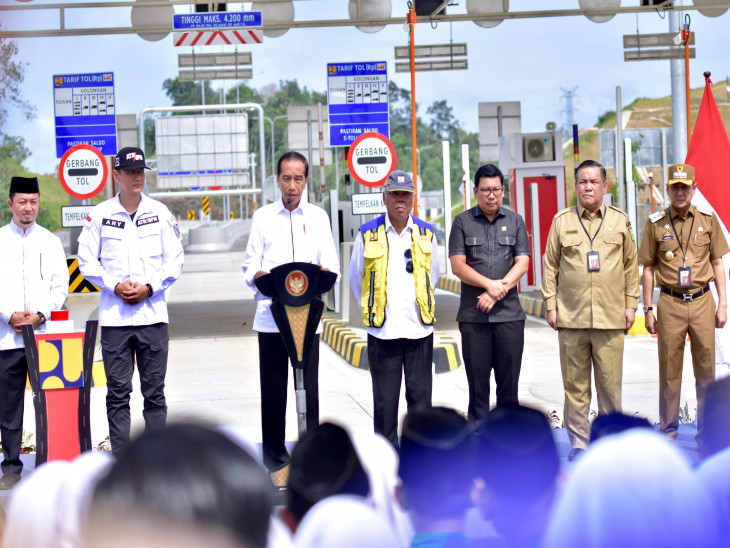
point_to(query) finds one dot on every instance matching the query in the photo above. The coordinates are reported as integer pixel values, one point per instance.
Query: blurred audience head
(633, 489)
(518, 464)
(32, 514)
(184, 485)
(716, 429)
(436, 465)
(713, 475)
(344, 521)
(49, 507)
(380, 461)
(615, 423)
(323, 463)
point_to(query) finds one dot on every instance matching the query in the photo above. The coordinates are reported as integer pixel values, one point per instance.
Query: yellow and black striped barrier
(206, 205)
(76, 282)
(533, 306)
(354, 349)
(445, 353)
(233, 215)
(345, 342)
(191, 214)
(451, 284)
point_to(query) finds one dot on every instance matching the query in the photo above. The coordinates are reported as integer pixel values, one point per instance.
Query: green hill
(644, 113)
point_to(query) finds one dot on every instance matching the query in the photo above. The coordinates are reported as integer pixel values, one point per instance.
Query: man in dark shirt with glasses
(489, 252)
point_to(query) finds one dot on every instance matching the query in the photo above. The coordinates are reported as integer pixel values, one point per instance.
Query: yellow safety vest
(374, 280)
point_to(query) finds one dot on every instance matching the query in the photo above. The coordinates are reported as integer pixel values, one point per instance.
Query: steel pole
(620, 152)
(301, 398)
(414, 143)
(679, 137)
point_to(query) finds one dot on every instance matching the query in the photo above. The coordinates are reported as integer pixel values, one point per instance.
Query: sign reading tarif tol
(371, 159)
(83, 172)
(357, 95)
(85, 112)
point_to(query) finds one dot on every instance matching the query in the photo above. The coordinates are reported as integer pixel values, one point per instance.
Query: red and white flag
(709, 154)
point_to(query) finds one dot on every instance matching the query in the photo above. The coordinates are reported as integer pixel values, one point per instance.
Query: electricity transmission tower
(568, 111)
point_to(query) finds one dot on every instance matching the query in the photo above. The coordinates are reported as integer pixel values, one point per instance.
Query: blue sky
(527, 60)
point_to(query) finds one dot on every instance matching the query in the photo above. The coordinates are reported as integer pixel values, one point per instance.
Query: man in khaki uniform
(683, 245)
(590, 286)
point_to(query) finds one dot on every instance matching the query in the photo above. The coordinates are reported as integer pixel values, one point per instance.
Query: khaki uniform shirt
(583, 299)
(702, 242)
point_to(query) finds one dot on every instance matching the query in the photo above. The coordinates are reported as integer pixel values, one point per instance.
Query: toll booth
(533, 163)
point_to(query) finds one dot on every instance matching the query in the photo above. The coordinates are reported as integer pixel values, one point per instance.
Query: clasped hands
(495, 291)
(19, 318)
(131, 292)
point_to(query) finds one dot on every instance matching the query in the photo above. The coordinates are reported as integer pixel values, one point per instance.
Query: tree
(190, 93)
(12, 149)
(443, 123)
(12, 74)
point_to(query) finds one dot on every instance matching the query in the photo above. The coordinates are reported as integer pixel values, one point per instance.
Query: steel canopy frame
(314, 23)
(198, 108)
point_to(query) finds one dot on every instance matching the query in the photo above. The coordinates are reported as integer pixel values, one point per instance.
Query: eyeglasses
(409, 263)
(487, 191)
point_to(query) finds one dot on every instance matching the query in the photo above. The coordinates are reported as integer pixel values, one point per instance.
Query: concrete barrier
(217, 236)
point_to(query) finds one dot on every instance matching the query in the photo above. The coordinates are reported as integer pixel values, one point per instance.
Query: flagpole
(685, 36)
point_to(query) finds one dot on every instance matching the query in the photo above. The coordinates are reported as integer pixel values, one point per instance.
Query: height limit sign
(371, 159)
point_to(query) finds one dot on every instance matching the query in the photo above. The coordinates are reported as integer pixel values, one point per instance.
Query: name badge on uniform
(594, 261)
(685, 276)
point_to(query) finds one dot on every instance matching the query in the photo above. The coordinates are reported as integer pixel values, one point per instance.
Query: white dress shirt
(278, 237)
(33, 277)
(114, 248)
(402, 317)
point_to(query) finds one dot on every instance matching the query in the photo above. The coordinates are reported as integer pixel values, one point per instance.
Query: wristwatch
(648, 309)
(42, 317)
(150, 292)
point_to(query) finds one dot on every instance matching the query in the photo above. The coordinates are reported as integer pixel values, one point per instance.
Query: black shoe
(8, 481)
(575, 454)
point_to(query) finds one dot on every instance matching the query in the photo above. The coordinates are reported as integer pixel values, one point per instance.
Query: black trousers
(273, 374)
(389, 359)
(487, 346)
(120, 348)
(13, 374)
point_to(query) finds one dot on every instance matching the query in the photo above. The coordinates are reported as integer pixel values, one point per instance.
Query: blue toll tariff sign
(85, 112)
(357, 95)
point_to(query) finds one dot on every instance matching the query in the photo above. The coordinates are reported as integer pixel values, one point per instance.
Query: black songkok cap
(518, 457)
(430, 437)
(24, 185)
(324, 463)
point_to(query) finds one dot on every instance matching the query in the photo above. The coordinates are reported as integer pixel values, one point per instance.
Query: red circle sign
(371, 159)
(83, 171)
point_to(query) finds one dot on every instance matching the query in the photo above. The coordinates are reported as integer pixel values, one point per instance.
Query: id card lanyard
(685, 272)
(594, 261)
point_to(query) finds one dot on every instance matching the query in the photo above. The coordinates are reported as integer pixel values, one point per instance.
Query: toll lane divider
(352, 347)
(534, 306)
(531, 305)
